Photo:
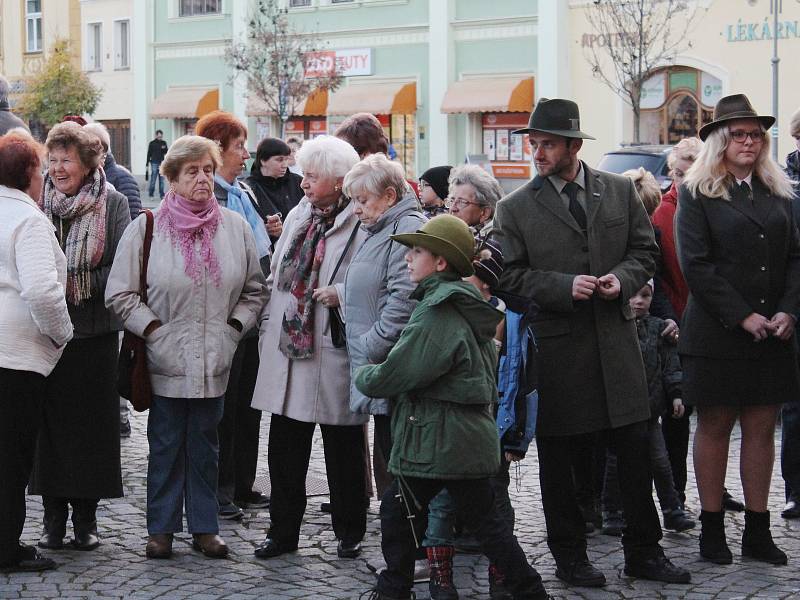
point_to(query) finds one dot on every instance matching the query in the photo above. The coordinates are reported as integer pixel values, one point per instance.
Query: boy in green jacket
(442, 373)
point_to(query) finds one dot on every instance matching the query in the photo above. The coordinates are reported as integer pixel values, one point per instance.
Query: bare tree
(633, 39)
(273, 60)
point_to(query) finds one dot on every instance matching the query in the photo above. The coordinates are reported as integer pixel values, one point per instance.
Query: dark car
(652, 157)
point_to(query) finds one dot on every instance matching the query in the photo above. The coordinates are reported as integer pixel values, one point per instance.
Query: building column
(441, 60)
(552, 71)
(239, 18)
(142, 69)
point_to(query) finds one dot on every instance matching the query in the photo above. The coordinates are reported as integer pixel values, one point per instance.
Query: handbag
(338, 332)
(133, 376)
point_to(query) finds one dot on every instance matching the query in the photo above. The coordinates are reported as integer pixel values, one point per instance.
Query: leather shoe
(345, 550)
(270, 548)
(581, 573)
(730, 503)
(210, 544)
(86, 540)
(658, 568)
(28, 561)
(159, 545)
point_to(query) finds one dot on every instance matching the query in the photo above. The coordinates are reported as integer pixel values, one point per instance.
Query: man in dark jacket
(578, 243)
(156, 151)
(8, 120)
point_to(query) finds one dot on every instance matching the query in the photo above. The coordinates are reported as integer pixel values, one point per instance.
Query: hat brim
(570, 133)
(766, 120)
(439, 246)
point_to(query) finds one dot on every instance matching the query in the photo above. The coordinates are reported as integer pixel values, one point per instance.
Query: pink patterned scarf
(186, 222)
(85, 213)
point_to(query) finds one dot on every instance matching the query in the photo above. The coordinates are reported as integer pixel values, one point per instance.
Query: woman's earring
(336, 188)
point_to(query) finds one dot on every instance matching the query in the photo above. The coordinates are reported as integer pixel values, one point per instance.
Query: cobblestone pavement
(118, 568)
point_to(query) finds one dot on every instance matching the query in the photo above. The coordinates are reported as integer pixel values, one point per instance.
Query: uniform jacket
(124, 183)
(442, 372)
(738, 257)
(661, 364)
(316, 389)
(376, 296)
(190, 355)
(591, 372)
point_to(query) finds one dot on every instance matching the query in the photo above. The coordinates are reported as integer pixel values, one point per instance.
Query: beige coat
(314, 390)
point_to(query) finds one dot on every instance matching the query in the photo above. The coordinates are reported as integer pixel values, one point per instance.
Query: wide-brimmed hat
(446, 236)
(556, 116)
(733, 107)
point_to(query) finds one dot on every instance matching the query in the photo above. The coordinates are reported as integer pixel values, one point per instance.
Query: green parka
(442, 373)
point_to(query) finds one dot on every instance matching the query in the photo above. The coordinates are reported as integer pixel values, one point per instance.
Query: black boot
(55, 523)
(84, 524)
(757, 540)
(713, 545)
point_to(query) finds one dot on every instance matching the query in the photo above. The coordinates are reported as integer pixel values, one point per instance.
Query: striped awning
(495, 94)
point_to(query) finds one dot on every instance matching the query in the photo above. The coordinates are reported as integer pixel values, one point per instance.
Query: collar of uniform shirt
(748, 180)
(559, 183)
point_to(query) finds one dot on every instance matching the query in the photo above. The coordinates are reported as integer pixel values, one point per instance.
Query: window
(340, 1)
(94, 47)
(33, 25)
(198, 8)
(299, 3)
(122, 44)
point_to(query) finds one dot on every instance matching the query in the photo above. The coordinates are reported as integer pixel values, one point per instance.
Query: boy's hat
(437, 178)
(446, 236)
(488, 263)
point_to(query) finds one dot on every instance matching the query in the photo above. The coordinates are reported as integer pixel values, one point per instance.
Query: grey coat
(376, 296)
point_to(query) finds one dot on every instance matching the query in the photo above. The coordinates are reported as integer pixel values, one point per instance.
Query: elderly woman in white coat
(205, 288)
(303, 379)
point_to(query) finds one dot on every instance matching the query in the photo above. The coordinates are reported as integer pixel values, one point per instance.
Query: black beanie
(437, 178)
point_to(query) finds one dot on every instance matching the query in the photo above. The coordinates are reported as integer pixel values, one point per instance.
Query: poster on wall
(489, 144)
(502, 144)
(515, 152)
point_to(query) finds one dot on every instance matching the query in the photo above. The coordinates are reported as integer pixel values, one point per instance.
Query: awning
(376, 98)
(315, 105)
(495, 94)
(185, 103)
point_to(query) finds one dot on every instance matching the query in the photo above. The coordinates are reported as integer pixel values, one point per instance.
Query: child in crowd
(433, 190)
(442, 372)
(663, 371)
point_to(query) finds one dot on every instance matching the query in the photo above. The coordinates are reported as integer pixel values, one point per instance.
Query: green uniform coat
(442, 372)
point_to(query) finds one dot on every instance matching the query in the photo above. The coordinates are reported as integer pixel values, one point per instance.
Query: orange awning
(315, 105)
(185, 103)
(495, 94)
(376, 98)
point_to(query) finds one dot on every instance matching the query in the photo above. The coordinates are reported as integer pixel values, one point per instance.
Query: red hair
(365, 133)
(20, 155)
(221, 127)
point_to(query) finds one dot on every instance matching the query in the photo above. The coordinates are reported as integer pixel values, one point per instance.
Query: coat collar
(759, 208)
(551, 199)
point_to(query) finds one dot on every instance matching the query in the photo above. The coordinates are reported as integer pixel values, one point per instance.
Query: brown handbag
(133, 377)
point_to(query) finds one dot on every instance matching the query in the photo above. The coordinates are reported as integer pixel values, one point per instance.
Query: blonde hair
(188, 148)
(374, 175)
(647, 188)
(710, 177)
(686, 149)
(794, 124)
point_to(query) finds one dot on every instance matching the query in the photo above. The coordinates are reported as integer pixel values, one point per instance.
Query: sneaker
(253, 500)
(676, 520)
(125, 429)
(230, 511)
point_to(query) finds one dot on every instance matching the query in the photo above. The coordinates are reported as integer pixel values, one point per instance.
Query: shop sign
(347, 63)
(710, 88)
(608, 40)
(753, 32)
(654, 91)
(511, 171)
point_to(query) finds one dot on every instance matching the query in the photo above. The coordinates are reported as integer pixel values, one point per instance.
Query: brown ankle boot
(210, 544)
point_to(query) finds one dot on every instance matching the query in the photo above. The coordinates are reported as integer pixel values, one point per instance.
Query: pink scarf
(186, 222)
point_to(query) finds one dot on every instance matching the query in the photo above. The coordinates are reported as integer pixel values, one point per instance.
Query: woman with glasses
(740, 253)
(473, 195)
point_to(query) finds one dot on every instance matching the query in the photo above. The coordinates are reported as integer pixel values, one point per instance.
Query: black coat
(738, 257)
(124, 183)
(276, 195)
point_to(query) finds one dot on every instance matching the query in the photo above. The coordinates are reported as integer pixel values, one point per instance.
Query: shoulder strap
(344, 252)
(148, 240)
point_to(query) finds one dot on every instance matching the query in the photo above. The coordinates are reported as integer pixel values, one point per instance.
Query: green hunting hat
(733, 107)
(446, 236)
(556, 116)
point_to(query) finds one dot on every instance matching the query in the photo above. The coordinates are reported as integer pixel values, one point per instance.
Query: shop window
(122, 44)
(299, 3)
(510, 154)
(402, 136)
(305, 128)
(198, 8)
(33, 25)
(94, 47)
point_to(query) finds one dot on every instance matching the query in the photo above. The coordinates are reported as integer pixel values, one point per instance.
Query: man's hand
(782, 325)
(609, 287)
(583, 286)
(758, 326)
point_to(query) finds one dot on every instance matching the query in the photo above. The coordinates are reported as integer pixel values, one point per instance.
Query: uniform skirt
(739, 382)
(77, 452)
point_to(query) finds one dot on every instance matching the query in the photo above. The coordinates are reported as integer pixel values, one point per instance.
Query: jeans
(790, 450)
(154, 174)
(182, 468)
(474, 501)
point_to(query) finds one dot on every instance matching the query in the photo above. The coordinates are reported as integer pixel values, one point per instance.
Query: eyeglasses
(423, 185)
(739, 135)
(459, 204)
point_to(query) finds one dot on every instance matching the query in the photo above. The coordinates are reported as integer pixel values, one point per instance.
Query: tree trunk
(636, 117)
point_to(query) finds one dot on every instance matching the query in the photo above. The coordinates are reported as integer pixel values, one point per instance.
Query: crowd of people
(584, 311)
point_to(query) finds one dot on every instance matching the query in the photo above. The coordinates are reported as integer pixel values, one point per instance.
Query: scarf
(86, 239)
(239, 202)
(299, 275)
(186, 222)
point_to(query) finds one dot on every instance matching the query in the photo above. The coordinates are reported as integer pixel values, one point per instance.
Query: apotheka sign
(347, 63)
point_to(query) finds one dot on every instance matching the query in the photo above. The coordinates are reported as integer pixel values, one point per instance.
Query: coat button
(412, 419)
(763, 268)
(761, 235)
(763, 301)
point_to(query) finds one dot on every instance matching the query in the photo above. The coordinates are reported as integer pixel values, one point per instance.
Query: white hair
(101, 132)
(327, 156)
(375, 174)
(487, 189)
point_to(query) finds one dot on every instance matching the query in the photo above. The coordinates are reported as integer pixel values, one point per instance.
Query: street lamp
(775, 7)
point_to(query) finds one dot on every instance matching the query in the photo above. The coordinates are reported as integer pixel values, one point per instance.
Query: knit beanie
(488, 263)
(437, 178)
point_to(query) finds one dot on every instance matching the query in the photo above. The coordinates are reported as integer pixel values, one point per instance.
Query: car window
(619, 163)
